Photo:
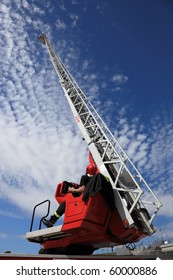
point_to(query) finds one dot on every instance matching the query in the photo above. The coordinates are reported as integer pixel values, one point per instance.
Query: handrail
(33, 213)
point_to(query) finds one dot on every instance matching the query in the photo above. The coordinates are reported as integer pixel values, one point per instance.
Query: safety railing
(33, 213)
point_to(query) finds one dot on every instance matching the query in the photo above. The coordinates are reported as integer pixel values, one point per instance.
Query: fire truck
(126, 215)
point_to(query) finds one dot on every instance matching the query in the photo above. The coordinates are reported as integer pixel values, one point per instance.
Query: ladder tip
(42, 38)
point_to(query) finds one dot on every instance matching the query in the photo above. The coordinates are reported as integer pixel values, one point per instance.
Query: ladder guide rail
(111, 159)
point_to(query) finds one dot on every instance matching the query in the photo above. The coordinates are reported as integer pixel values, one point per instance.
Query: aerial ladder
(135, 202)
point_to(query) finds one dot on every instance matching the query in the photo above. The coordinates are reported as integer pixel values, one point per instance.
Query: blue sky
(120, 53)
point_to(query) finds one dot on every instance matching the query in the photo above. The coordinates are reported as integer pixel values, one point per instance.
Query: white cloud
(101, 6)
(62, 7)
(166, 231)
(133, 139)
(61, 24)
(74, 19)
(85, 64)
(167, 201)
(3, 235)
(25, 4)
(40, 144)
(39, 140)
(150, 148)
(119, 79)
(75, 2)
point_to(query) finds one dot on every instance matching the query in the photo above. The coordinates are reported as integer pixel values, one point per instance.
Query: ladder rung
(82, 114)
(79, 103)
(88, 126)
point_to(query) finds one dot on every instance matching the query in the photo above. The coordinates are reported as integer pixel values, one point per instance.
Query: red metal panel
(95, 211)
(91, 223)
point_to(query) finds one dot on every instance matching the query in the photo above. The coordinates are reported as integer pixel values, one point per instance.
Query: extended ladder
(134, 199)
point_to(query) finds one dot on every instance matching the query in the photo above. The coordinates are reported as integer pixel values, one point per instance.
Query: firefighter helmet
(91, 169)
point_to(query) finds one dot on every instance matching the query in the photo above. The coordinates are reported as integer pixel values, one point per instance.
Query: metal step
(39, 236)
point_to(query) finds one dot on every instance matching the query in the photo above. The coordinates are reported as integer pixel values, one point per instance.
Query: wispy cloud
(39, 139)
(150, 148)
(75, 2)
(74, 18)
(34, 119)
(119, 79)
(60, 24)
(101, 6)
(3, 235)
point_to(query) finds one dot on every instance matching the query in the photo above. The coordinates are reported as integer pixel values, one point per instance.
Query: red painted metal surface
(91, 223)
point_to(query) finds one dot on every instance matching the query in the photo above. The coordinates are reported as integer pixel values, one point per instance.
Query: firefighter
(91, 170)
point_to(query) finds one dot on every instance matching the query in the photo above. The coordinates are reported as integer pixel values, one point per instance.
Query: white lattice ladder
(133, 196)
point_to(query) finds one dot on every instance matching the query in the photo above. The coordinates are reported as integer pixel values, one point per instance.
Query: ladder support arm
(110, 158)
